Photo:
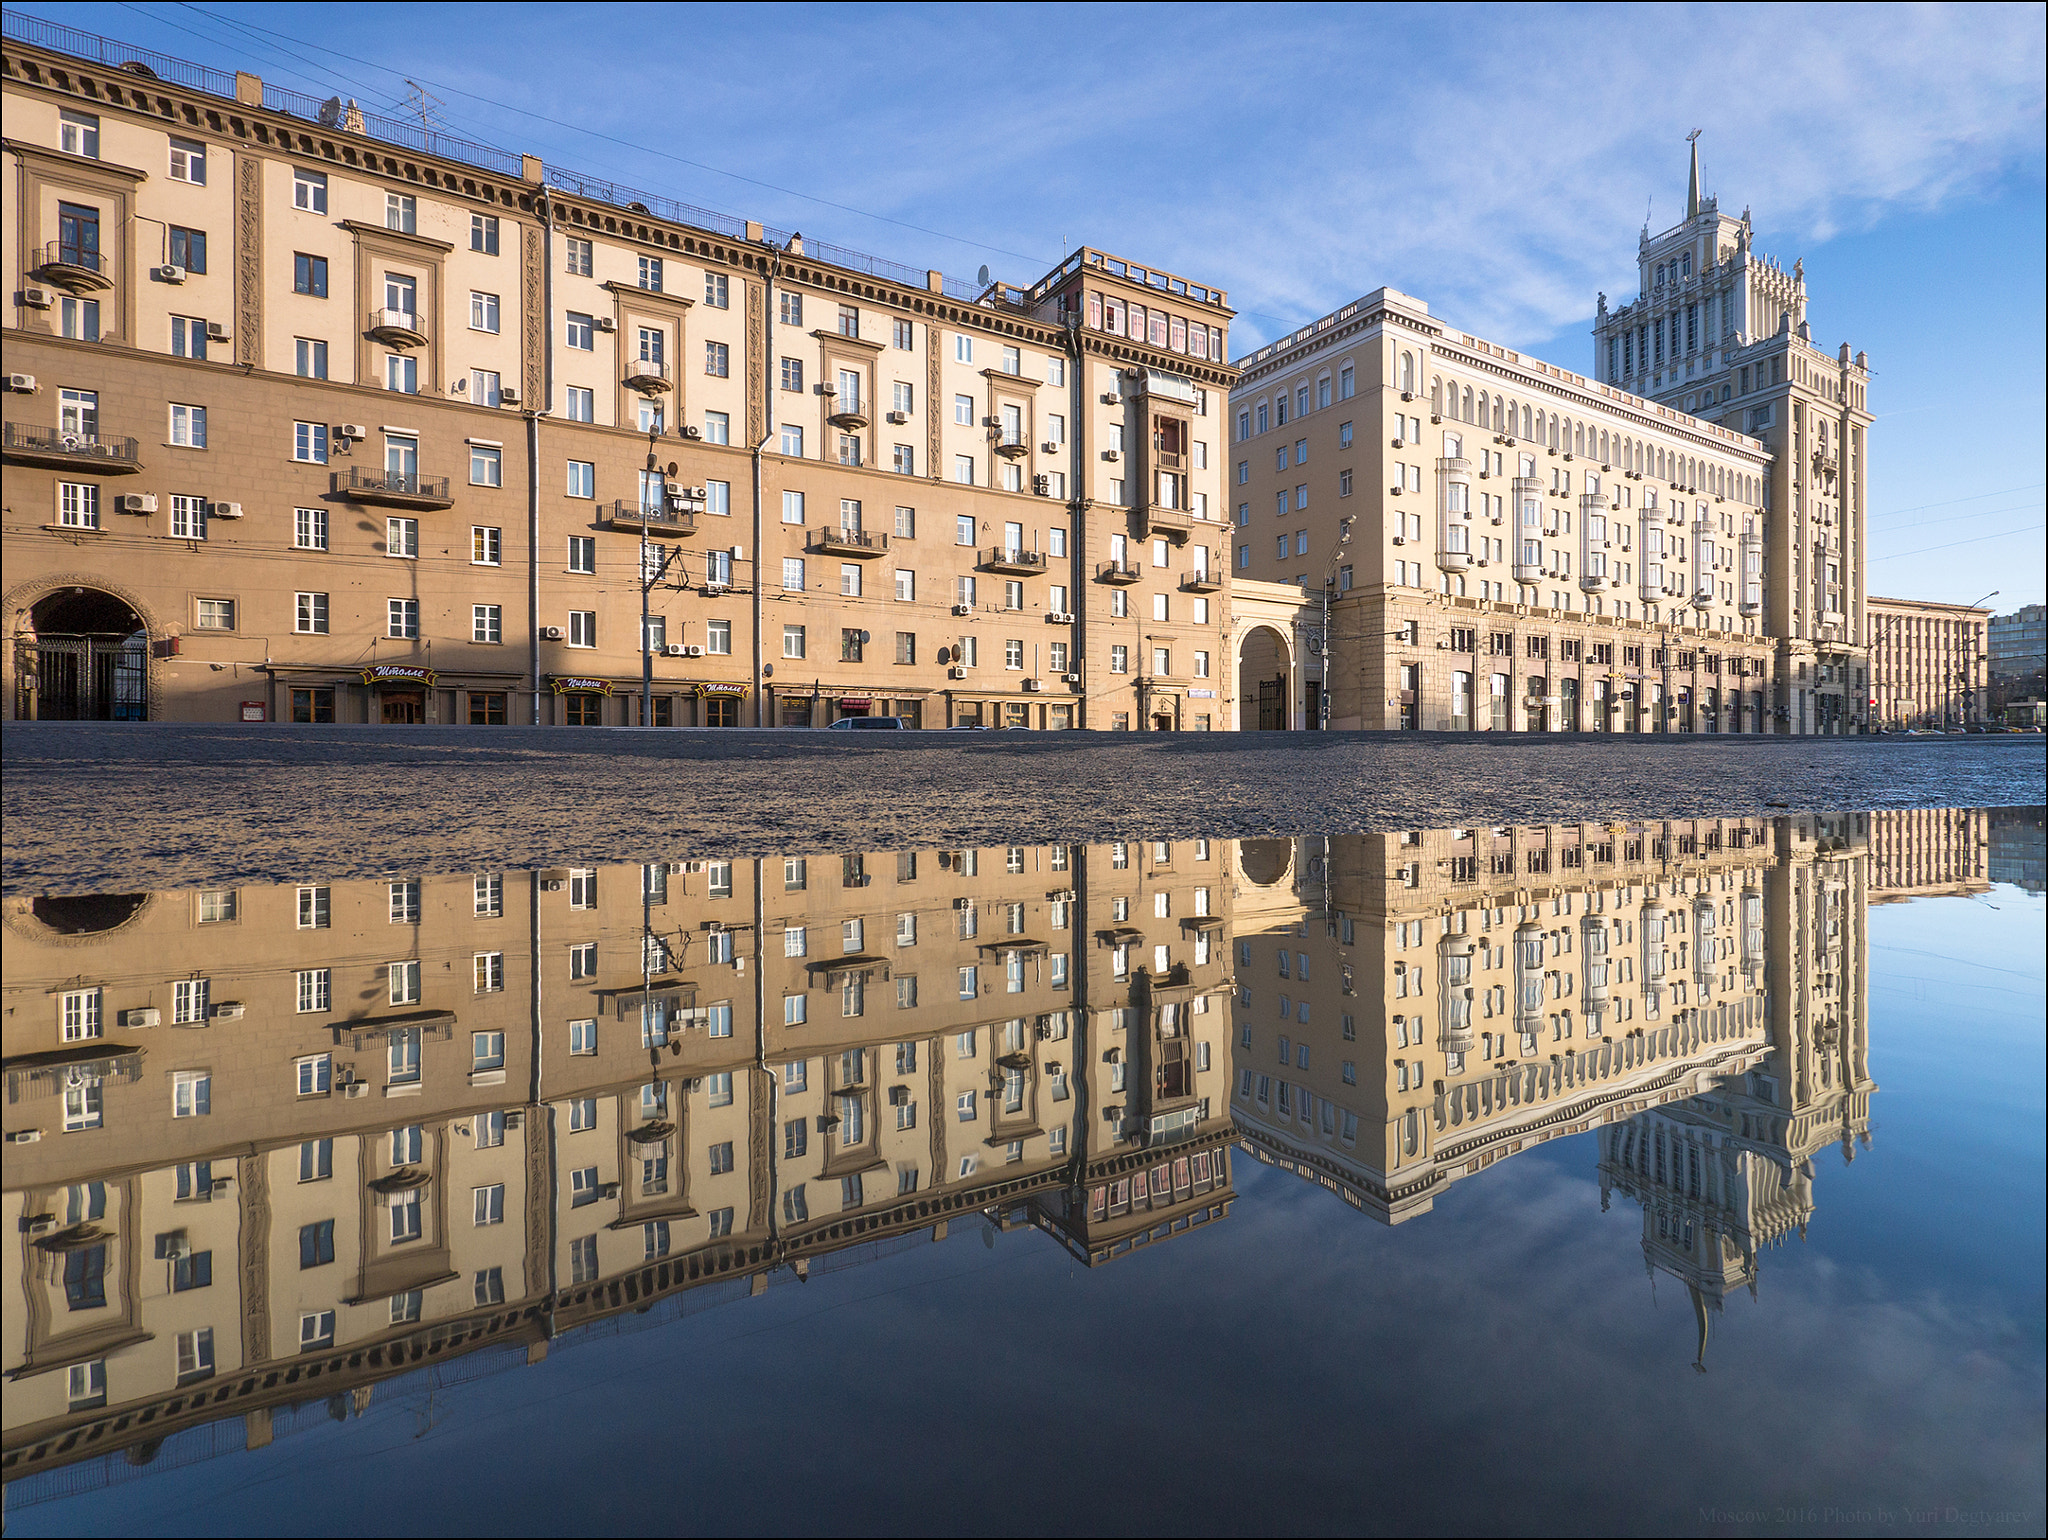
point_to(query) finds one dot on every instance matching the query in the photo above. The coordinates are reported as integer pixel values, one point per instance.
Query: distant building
(2017, 642)
(2017, 848)
(1927, 664)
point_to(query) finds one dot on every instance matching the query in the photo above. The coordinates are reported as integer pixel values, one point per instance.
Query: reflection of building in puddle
(1728, 1174)
(269, 1147)
(1925, 852)
(1414, 1006)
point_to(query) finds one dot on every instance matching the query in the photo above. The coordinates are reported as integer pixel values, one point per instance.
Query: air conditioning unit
(690, 431)
(1033, 686)
(135, 502)
(1073, 679)
(605, 323)
(693, 650)
(956, 672)
(693, 866)
(1112, 455)
(351, 430)
(228, 1010)
(25, 383)
(173, 1246)
(712, 586)
(674, 650)
(1059, 617)
(170, 272)
(1400, 539)
(825, 388)
(142, 1016)
(1050, 447)
(514, 1118)
(963, 609)
(216, 331)
(223, 510)
(899, 417)
(551, 633)
(608, 1190)
(37, 298)
(508, 396)
(1111, 398)
(963, 903)
(25, 1136)
(355, 1090)
(899, 1095)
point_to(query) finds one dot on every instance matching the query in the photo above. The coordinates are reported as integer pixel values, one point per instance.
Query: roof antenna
(423, 104)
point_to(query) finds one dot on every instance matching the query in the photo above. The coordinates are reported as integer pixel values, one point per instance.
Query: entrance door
(1162, 721)
(404, 708)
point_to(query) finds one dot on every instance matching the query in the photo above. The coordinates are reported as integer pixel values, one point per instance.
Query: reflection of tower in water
(1727, 1174)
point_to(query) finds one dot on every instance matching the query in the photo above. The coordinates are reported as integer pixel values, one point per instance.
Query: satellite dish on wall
(982, 276)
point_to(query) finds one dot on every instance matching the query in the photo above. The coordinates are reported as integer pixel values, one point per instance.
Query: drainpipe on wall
(767, 433)
(534, 414)
(1077, 522)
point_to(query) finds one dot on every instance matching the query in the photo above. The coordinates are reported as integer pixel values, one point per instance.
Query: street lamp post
(1963, 676)
(1329, 582)
(670, 498)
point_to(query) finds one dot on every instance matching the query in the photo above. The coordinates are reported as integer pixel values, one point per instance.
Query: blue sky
(1496, 162)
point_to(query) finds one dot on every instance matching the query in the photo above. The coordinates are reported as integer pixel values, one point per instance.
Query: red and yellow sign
(578, 684)
(398, 673)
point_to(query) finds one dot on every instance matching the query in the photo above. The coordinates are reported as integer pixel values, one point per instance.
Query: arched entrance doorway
(84, 658)
(1264, 698)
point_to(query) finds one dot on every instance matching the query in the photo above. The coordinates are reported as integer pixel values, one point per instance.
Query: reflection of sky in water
(1501, 1363)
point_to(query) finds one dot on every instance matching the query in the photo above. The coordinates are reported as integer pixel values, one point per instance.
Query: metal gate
(82, 679)
(1273, 704)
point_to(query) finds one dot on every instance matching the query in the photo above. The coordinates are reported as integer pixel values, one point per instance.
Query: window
(792, 641)
(216, 614)
(311, 614)
(316, 1074)
(717, 359)
(581, 404)
(486, 466)
(78, 505)
(402, 213)
(188, 426)
(963, 470)
(191, 1093)
(849, 320)
(583, 628)
(576, 256)
(963, 349)
(582, 553)
(309, 443)
(717, 428)
(79, 1014)
(792, 574)
(78, 133)
(188, 162)
(580, 331)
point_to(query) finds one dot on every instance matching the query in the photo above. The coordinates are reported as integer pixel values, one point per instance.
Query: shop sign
(855, 703)
(722, 689)
(398, 673)
(1201, 695)
(576, 684)
(255, 711)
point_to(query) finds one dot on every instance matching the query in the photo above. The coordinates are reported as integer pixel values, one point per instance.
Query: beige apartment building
(1929, 664)
(315, 417)
(1512, 546)
(1508, 546)
(272, 1142)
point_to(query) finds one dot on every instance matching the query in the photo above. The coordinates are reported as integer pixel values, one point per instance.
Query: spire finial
(1692, 191)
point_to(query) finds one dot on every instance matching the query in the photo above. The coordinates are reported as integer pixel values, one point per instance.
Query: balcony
(1167, 460)
(1454, 561)
(60, 449)
(649, 376)
(73, 268)
(848, 414)
(396, 489)
(1116, 572)
(831, 541)
(397, 328)
(1204, 582)
(1012, 448)
(655, 518)
(1157, 519)
(1024, 563)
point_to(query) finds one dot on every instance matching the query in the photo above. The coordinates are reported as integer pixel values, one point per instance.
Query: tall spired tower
(1719, 330)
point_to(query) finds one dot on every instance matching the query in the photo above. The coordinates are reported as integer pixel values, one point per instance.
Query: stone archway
(80, 648)
(1265, 681)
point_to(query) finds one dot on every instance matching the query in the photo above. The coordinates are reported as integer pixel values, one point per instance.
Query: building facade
(1507, 546)
(2019, 673)
(1928, 664)
(312, 420)
(1721, 331)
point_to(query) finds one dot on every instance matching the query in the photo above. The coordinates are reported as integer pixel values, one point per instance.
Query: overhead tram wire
(252, 30)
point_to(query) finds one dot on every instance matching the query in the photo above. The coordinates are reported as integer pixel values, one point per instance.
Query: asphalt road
(104, 806)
